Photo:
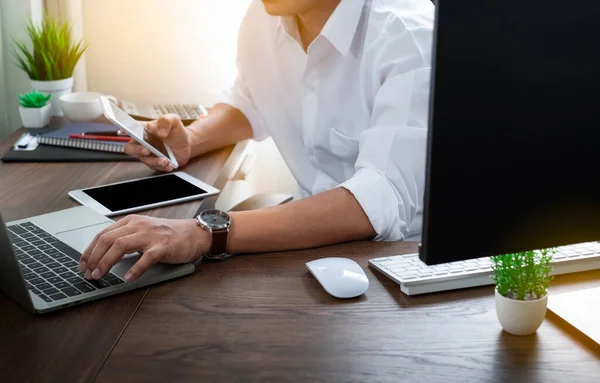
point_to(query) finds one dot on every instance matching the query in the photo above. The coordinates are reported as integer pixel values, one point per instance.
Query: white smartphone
(126, 123)
(143, 193)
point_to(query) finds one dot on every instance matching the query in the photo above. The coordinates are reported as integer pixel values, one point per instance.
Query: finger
(120, 247)
(105, 242)
(135, 149)
(146, 261)
(164, 125)
(86, 254)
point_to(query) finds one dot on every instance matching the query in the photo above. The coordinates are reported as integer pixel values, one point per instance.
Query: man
(343, 88)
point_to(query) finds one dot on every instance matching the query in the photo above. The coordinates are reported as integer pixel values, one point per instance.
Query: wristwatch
(217, 223)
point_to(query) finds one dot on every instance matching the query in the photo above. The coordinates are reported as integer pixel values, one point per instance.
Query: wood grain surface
(70, 345)
(264, 317)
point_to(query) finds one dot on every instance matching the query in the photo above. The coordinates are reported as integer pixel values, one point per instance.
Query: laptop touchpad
(79, 239)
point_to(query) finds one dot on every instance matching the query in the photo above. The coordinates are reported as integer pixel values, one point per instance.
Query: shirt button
(310, 88)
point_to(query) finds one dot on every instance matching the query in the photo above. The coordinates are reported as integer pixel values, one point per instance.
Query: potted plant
(34, 109)
(52, 59)
(521, 296)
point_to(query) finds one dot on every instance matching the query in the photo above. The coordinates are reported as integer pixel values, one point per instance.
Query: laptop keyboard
(51, 267)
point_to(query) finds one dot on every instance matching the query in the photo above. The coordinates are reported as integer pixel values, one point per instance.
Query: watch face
(216, 219)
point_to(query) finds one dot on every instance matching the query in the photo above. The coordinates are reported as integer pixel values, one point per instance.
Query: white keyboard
(415, 277)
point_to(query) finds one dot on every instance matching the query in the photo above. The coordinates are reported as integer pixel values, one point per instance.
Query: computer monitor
(514, 137)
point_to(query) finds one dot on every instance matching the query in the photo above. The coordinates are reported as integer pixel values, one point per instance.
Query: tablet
(143, 193)
(126, 123)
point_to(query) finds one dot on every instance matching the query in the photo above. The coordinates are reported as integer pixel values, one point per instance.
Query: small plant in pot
(522, 281)
(52, 58)
(34, 109)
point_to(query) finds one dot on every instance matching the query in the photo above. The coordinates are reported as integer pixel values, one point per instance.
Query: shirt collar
(342, 25)
(339, 29)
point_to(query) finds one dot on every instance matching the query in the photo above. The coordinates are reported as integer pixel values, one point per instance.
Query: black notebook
(60, 137)
(47, 153)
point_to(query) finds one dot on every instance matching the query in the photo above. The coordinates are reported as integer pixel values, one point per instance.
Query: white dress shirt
(350, 112)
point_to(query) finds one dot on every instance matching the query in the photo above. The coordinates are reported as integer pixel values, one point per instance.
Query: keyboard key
(46, 260)
(84, 287)
(113, 281)
(28, 261)
(41, 270)
(51, 251)
(58, 296)
(17, 229)
(18, 243)
(49, 291)
(74, 279)
(70, 263)
(62, 285)
(27, 248)
(47, 299)
(68, 251)
(71, 291)
(408, 276)
(53, 265)
(47, 275)
(44, 235)
(60, 269)
(62, 259)
(36, 281)
(38, 231)
(43, 286)
(38, 242)
(54, 280)
(34, 290)
(35, 253)
(27, 236)
(66, 275)
(51, 240)
(45, 247)
(101, 284)
(29, 275)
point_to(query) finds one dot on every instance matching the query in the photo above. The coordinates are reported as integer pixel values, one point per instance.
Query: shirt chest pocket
(342, 146)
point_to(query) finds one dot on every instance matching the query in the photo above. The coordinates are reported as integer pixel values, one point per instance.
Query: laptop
(39, 262)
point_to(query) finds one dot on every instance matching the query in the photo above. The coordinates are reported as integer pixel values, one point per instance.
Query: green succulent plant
(33, 100)
(524, 275)
(54, 54)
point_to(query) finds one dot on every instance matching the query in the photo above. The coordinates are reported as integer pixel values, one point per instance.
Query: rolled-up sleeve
(238, 96)
(390, 170)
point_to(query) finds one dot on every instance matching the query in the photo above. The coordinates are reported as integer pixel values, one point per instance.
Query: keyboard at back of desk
(415, 277)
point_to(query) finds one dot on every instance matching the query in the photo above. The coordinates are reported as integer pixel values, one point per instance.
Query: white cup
(83, 106)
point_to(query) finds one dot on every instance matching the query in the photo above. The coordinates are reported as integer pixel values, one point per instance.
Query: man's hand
(160, 240)
(171, 131)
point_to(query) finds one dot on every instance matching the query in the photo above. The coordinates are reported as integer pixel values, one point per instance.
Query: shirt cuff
(238, 101)
(378, 200)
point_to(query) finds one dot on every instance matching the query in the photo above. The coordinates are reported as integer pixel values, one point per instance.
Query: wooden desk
(265, 318)
(70, 345)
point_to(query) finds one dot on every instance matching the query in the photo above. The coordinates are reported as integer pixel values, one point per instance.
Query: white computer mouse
(340, 277)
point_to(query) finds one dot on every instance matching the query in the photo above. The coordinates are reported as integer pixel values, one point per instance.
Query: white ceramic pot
(520, 317)
(57, 89)
(36, 117)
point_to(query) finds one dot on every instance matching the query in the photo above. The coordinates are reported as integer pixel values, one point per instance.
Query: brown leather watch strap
(219, 242)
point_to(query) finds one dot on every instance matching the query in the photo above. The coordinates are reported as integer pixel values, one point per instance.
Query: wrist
(196, 138)
(201, 238)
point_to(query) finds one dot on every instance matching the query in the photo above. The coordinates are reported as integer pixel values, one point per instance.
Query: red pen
(100, 138)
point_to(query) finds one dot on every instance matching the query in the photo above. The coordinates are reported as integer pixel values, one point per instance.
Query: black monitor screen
(513, 148)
